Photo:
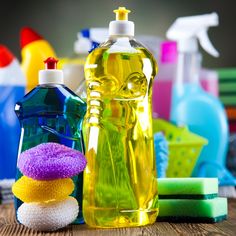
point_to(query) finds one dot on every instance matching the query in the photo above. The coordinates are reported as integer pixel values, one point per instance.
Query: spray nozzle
(51, 63)
(121, 13)
(186, 31)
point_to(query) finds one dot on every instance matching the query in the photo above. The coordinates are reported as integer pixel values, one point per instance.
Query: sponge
(194, 210)
(187, 188)
(30, 190)
(161, 153)
(48, 216)
(50, 161)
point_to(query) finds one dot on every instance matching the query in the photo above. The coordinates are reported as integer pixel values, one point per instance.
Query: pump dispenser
(191, 105)
(121, 26)
(52, 113)
(120, 188)
(51, 75)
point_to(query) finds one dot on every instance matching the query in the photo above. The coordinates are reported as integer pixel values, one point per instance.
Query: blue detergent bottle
(12, 88)
(191, 105)
(52, 113)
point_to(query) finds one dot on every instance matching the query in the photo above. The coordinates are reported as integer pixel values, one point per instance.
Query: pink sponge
(50, 161)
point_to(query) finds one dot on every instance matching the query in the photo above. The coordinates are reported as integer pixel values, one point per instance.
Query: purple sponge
(50, 161)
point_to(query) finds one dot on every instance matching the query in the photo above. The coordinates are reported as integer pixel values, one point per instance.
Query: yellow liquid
(120, 188)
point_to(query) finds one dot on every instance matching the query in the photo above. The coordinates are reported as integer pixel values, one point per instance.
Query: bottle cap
(121, 26)
(28, 35)
(169, 52)
(51, 75)
(88, 39)
(6, 57)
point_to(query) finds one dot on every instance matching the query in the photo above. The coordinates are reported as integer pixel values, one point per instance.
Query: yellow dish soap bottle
(120, 185)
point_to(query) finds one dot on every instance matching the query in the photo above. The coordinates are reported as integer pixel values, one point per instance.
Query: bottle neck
(188, 68)
(115, 37)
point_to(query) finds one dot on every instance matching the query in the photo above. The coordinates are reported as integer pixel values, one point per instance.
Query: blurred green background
(60, 20)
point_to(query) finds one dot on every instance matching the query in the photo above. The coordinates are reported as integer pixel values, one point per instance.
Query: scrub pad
(193, 210)
(48, 216)
(30, 190)
(161, 153)
(50, 161)
(187, 188)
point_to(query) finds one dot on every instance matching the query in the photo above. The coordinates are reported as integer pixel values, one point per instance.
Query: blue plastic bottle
(12, 88)
(52, 113)
(191, 105)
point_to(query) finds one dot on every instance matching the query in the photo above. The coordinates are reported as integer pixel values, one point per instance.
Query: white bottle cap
(51, 75)
(121, 26)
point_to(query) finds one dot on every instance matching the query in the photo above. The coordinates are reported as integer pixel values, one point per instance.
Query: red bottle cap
(28, 35)
(51, 63)
(6, 57)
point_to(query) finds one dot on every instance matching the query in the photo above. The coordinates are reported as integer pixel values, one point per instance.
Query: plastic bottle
(162, 86)
(120, 188)
(52, 113)
(191, 105)
(34, 50)
(73, 68)
(12, 88)
(209, 81)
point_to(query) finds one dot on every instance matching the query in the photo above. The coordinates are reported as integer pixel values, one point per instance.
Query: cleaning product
(54, 161)
(34, 50)
(88, 39)
(191, 106)
(191, 200)
(193, 210)
(227, 86)
(73, 68)
(12, 88)
(162, 86)
(31, 190)
(184, 148)
(51, 113)
(187, 188)
(48, 216)
(120, 188)
(50, 194)
(161, 153)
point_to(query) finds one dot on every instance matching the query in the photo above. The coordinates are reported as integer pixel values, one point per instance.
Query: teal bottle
(52, 113)
(203, 114)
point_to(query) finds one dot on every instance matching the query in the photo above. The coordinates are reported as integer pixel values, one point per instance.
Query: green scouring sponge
(187, 188)
(193, 210)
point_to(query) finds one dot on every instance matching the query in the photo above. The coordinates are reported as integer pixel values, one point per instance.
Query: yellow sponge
(30, 190)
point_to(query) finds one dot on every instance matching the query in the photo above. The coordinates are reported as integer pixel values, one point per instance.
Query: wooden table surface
(9, 227)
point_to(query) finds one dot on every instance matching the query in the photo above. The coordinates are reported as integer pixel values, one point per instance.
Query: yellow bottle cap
(121, 26)
(121, 13)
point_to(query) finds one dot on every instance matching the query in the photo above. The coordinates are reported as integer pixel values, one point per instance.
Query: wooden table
(9, 227)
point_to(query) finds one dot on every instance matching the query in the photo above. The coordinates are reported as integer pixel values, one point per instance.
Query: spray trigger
(206, 43)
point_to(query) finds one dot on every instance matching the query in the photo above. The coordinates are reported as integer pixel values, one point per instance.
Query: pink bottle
(162, 86)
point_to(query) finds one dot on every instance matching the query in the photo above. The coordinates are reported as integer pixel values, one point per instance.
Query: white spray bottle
(191, 105)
